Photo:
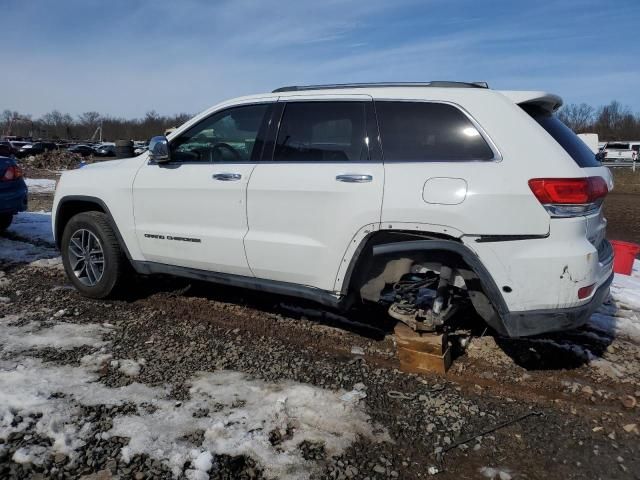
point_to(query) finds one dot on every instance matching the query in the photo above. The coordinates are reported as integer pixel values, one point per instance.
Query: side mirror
(601, 156)
(159, 149)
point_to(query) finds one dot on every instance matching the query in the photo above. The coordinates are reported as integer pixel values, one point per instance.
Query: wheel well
(386, 256)
(69, 209)
(363, 260)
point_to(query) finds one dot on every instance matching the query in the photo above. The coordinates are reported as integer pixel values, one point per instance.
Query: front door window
(227, 136)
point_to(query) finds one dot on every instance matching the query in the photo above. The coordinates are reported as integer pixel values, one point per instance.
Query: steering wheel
(216, 153)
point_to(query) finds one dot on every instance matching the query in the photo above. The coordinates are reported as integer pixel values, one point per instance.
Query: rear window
(576, 148)
(617, 146)
(428, 132)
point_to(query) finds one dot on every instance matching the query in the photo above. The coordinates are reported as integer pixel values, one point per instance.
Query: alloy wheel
(86, 257)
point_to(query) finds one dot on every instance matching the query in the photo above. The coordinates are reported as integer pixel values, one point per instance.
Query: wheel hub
(86, 257)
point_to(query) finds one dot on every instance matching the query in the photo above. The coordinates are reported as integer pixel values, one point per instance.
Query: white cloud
(186, 56)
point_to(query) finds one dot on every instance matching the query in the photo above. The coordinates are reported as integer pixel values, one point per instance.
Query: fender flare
(487, 283)
(103, 206)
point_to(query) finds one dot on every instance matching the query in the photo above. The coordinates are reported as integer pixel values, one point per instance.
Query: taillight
(13, 172)
(569, 197)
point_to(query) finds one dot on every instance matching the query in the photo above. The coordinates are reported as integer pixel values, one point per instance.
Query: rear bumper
(13, 200)
(533, 322)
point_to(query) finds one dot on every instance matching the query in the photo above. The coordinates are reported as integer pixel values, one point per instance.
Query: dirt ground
(623, 214)
(552, 407)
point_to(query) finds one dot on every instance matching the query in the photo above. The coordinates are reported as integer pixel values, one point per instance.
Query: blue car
(13, 191)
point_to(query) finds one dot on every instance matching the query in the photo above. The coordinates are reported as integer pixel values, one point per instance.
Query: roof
(336, 86)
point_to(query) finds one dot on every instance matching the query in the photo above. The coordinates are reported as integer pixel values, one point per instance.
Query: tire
(5, 221)
(88, 280)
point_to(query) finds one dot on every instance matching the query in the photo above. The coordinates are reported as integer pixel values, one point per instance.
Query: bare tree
(87, 124)
(578, 118)
(14, 123)
(611, 122)
(614, 121)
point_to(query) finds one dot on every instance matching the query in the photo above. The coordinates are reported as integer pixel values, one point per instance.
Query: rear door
(320, 184)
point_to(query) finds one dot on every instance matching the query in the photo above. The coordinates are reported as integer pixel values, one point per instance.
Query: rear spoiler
(547, 101)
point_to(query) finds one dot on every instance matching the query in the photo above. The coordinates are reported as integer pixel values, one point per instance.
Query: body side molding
(322, 297)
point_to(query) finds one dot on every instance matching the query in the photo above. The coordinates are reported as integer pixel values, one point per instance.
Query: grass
(626, 180)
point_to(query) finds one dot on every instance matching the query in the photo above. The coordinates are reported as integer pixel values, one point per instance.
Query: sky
(127, 57)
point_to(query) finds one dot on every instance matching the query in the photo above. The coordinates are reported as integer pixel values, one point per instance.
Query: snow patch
(129, 367)
(496, 473)
(40, 185)
(16, 251)
(62, 335)
(96, 362)
(48, 262)
(621, 316)
(240, 414)
(237, 414)
(202, 463)
(29, 228)
(31, 454)
(33, 226)
(27, 389)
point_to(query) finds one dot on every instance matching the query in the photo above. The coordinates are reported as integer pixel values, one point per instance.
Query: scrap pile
(55, 160)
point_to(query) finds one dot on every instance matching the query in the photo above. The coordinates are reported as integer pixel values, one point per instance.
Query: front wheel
(92, 256)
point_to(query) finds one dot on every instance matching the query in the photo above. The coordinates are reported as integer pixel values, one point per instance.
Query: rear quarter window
(428, 132)
(568, 140)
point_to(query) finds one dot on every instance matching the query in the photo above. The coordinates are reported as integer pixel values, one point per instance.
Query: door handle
(354, 178)
(227, 177)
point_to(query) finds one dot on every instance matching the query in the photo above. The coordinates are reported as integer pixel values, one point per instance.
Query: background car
(42, 147)
(24, 150)
(36, 148)
(16, 145)
(140, 149)
(6, 150)
(13, 191)
(106, 151)
(83, 150)
(620, 152)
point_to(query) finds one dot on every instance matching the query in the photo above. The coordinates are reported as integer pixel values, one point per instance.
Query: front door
(191, 212)
(320, 185)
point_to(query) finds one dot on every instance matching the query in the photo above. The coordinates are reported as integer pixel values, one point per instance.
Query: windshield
(568, 140)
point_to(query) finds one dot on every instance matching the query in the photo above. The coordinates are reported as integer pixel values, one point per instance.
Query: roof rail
(336, 86)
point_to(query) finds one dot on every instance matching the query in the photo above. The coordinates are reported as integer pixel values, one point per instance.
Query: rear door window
(428, 132)
(322, 132)
(569, 141)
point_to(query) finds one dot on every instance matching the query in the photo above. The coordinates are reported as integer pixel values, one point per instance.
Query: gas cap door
(444, 190)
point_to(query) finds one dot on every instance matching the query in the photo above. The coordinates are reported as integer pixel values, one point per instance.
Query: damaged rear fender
(386, 262)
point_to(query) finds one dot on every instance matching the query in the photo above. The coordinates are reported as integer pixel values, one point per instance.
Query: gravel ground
(575, 394)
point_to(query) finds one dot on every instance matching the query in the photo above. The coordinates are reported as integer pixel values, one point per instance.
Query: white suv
(418, 196)
(621, 152)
